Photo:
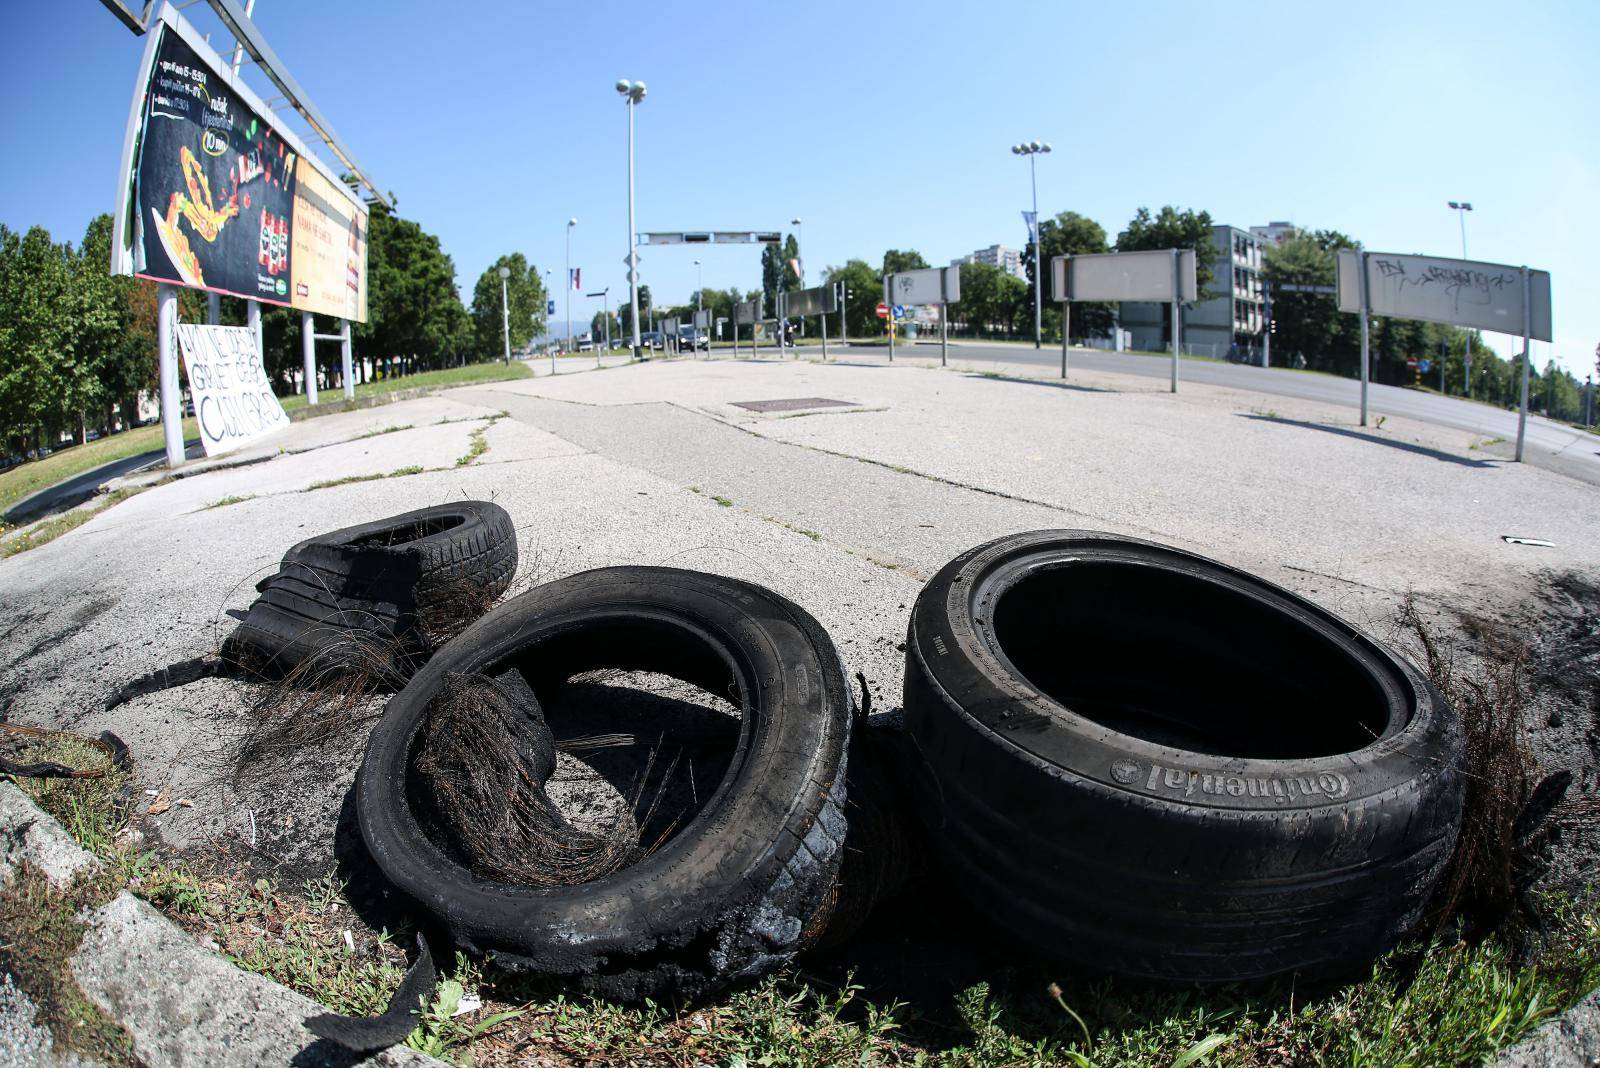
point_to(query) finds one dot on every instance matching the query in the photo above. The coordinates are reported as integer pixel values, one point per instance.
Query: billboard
(1487, 296)
(215, 196)
(1120, 276)
(932, 285)
(819, 300)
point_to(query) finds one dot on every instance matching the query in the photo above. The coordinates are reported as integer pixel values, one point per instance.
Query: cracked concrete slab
(29, 836)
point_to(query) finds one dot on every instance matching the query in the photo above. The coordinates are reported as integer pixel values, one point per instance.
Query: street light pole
(1032, 149)
(632, 94)
(605, 316)
(505, 311)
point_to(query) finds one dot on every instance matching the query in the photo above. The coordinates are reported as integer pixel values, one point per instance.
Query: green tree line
(78, 345)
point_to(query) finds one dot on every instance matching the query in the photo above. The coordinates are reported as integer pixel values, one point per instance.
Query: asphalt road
(1548, 444)
(81, 487)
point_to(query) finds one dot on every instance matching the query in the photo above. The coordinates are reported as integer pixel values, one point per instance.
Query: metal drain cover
(792, 404)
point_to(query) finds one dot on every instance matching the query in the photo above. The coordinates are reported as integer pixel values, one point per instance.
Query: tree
(991, 300)
(863, 292)
(524, 296)
(1172, 228)
(1068, 234)
(895, 261)
(116, 347)
(414, 311)
(772, 273)
(791, 253)
(35, 330)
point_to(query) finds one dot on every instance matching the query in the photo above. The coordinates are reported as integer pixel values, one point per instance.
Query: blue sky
(888, 125)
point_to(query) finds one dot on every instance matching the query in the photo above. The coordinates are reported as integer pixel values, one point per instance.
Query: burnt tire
(1149, 763)
(378, 597)
(731, 895)
(424, 557)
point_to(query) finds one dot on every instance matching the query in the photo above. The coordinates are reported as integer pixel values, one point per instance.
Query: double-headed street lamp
(700, 293)
(505, 311)
(1461, 207)
(1032, 149)
(632, 95)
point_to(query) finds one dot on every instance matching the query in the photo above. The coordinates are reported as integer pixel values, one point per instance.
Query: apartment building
(1232, 318)
(1008, 260)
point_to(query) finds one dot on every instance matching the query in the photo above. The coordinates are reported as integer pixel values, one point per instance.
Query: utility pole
(570, 224)
(505, 317)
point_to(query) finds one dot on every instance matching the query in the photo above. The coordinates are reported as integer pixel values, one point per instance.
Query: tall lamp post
(632, 95)
(570, 224)
(1461, 207)
(700, 301)
(605, 317)
(1032, 149)
(800, 249)
(505, 311)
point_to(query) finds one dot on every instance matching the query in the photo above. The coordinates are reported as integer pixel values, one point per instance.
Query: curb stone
(27, 833)
(185, 1005)
(1571, 1040)
(181, 1003)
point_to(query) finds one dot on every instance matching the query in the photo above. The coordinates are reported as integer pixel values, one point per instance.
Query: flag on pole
(575, 278)
(1032, 221)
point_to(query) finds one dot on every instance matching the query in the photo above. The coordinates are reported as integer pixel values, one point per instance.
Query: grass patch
(48, 530)
(450, 376)
(399, 472)
(65, 463)
(385, 430)
(478, 444)
(723, 501)
(1484, 443)
(232, 498)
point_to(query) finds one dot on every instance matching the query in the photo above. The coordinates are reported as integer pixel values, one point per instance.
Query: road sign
(899, 311)
(883, 311)
(1425, 366)
(549, 307)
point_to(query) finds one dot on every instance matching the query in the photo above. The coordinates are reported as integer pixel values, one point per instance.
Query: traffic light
(1272, 327)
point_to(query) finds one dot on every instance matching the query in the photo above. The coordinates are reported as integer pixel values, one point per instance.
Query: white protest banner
(233, 399)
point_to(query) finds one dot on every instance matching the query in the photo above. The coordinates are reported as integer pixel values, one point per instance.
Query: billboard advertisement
(1125, 276)
(217, 197)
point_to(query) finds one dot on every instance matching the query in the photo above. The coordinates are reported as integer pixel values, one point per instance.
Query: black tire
(422, 557)
(730, 896)
(1149, 763)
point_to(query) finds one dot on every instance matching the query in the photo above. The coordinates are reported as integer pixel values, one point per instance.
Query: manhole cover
(792, 404)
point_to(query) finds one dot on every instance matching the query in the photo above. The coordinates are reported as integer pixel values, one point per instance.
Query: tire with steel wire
(740, 888)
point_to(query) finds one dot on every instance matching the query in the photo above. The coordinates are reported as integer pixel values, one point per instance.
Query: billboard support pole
(167, 356)
(308, 348)
(1066, 332)
(346, 362)
(1527, 355)
(888, 293)
(944, 332)
(1365, 302)
(214, 309)
(823, 319)
(1177, 330)
(844, 334)
(252, 319)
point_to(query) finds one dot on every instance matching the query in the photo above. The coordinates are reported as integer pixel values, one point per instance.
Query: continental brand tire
(731, 894)
(1151, 763)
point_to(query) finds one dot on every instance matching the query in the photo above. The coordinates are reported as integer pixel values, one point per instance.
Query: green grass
(63, 464)
(232, 498)
(399, 472)
(478, 442)
(723, 501)
(48, 530)
(1447, 1002)
(383, 430)
(471, 374)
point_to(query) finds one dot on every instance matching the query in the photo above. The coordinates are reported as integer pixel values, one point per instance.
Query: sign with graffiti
(219, 198)
(1488, 296)
(233, 399)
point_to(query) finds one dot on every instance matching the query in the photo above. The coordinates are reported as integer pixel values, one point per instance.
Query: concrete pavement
(1549, 444)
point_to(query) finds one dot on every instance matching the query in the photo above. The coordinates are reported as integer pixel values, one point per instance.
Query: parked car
(651, 339)
(691, 339)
